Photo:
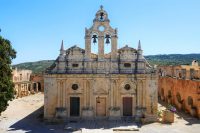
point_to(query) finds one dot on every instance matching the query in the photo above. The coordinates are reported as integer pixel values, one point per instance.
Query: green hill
(171, 59)
(36, 67)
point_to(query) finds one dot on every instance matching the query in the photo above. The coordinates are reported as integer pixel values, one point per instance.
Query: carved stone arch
(107, 33)
(94, 33)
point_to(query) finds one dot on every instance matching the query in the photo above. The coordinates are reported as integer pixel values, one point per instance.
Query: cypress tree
(7, 53)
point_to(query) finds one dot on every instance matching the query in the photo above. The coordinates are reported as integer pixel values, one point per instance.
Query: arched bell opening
(94, 43)
(107, 43)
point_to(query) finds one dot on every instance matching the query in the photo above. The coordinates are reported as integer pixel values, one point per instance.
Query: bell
(107, 39)
(94, 38)
(101, 15)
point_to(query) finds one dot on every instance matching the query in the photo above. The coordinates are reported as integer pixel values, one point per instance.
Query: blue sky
(36, 27)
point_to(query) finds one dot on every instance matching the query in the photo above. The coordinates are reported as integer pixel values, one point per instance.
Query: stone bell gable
(84, 84)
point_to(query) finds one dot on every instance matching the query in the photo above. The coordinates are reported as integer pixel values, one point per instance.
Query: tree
(7, 53)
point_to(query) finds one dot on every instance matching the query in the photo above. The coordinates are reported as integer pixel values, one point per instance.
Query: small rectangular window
(75, 65)
(127, 65)
(20, 76)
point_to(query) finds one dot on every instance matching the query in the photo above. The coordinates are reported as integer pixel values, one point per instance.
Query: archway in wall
(178, 97)
(29, 87)
(162, 94)
(107, 43)
(169, 97)
(192, 109)
(190, 101)
(39, 86)
(127, 106)
(180, 75)
(94, 43)
(35, 87)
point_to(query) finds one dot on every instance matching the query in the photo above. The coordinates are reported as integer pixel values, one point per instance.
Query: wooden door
(74, 106)
(100, 106)
(127, 106)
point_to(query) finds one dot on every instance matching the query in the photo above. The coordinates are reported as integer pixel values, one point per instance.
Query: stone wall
(39, 79)
(184, 94)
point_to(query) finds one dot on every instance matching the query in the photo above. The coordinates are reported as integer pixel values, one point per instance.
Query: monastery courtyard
(24, 115)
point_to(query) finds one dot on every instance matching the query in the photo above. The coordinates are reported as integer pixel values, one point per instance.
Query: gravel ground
(24, 115)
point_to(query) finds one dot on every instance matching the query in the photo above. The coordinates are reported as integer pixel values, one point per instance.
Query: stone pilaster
(87, 47)
(113, 48)
(100, 47)
(58, 93)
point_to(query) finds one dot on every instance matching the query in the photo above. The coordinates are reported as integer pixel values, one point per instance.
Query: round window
(74, 86)
(101, 28)
(127, 87)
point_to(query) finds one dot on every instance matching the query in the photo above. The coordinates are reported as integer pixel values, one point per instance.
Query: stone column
(113, 93)
(36, 87)
(138, 94)
(58, 93)
(101, 47)
(32, 89)
(63, 93)
(91, 92)
(87, 47)
(144, 95)
(113, 47)
(66, 94)
(87, 93)
(118, 98)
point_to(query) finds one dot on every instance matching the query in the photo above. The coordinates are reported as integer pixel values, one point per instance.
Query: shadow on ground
(126, 123)
(33, 123)
(183, 115)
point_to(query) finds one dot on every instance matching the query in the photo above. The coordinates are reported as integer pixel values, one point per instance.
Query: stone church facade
(82, 84)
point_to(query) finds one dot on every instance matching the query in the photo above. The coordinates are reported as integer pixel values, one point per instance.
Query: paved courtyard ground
(24, 115)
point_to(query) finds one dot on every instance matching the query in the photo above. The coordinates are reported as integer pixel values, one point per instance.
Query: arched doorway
(39, 86)
(35, 87)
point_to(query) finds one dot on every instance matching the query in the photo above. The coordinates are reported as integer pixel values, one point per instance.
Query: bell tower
(103, 33)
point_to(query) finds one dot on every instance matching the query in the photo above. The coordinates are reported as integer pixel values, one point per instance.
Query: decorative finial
(101, 7)
(139, 45)
(62, 46)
